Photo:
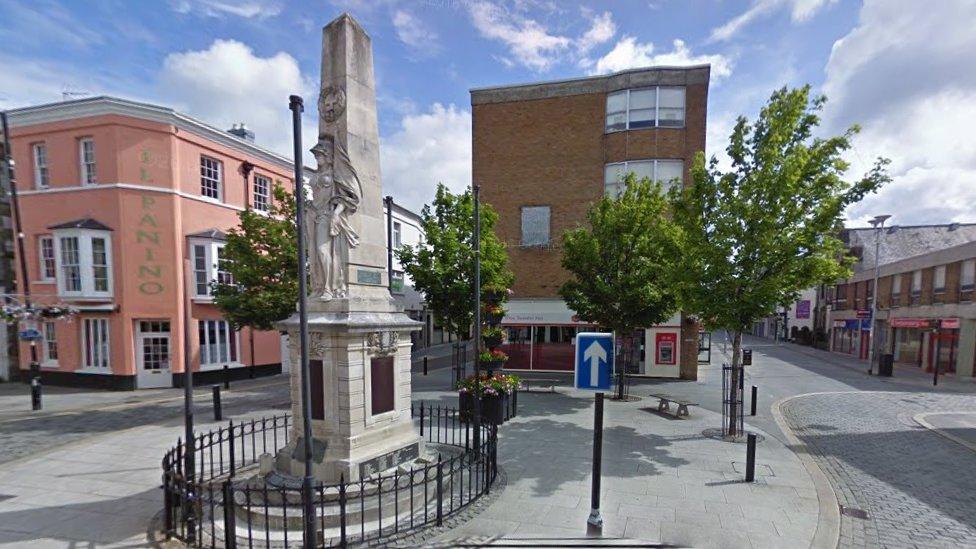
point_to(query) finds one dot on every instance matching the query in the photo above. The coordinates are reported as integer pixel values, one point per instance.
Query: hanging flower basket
(493, 336)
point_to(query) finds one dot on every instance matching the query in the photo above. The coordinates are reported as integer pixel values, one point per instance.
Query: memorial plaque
(389, 460)
(365, 276)
(381, 384)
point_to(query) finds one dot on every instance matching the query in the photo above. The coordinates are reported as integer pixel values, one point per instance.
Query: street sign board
(29, 334)
(863, 313)
(594, 361)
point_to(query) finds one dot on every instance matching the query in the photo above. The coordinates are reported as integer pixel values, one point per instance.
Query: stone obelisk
(359, 351)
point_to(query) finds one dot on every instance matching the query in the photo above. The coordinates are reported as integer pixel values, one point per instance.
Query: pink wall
(149, 225)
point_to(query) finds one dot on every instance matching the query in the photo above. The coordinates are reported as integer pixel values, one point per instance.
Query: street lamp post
(878, 224)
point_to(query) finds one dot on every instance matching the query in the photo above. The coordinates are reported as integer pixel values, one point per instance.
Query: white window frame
(916, 283)
(397, 235)
(96, 355)
(262, 193)
(939, 279)
(233, 343)
(86, 161)
(206, 178)
(967, 275)
(522, 240)
(665, 185)
(47, 259)
(86, 263)
(895, 290)
(49, 342)
(42, 175)
(211, 268)
(657, 109)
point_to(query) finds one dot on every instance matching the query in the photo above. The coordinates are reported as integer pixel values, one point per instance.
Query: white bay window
(208, 267)
(83, 260)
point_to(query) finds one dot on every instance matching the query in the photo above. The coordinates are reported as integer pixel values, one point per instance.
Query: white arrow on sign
(594, 353)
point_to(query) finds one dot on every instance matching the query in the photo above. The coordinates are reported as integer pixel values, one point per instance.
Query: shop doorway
(153, 354)
(943, 348)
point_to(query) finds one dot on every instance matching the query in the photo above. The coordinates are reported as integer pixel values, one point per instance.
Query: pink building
(114, 196)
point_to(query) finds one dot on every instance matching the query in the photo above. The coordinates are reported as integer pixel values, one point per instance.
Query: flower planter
(493, 341)
(492, 296)
(465, 405)
(493, 409)
(493, 319)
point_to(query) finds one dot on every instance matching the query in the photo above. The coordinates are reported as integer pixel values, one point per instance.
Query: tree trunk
(734, 385)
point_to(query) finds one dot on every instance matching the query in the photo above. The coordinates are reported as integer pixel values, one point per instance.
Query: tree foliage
(758, 233)
(261, 255)
(442, 267)
(623, 264)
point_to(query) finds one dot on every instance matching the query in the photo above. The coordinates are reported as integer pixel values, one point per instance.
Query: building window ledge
(95, 371)
(219, 366)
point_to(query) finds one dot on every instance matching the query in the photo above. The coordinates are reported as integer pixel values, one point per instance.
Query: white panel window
(218, 343)
(939, 279)
(916, 282)
(86, 153)
(896, 285)
(84, 259)
(967, 278)
(646, 108)
(50, 348)
(41, 179)
(211, 177)
(397, 235)
(668, 172)
(95, 343)
(535, 225)
(208, 267)
(45, 253)
(262, 193)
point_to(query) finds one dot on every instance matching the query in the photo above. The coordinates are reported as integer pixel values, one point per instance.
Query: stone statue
(336, 194)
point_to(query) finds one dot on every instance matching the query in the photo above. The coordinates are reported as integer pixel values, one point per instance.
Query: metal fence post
(167, 500)
(230, 430)
(230, 528)
(440, 491)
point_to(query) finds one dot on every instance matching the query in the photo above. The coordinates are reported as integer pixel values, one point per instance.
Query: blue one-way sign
(594, 361)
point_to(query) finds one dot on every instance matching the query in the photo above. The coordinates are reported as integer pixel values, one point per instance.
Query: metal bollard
(35, 393)
(425, 365)
(751, 458)
(755, 391)
(226, 376)
(218, 412)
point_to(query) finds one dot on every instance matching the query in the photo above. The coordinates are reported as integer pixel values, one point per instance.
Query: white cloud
(429, 148)
(601, 30)
(915, 98)
(414, 33)
(227, 83)
(628, 53)
(800, 11)
(248, 9)
(529, 43)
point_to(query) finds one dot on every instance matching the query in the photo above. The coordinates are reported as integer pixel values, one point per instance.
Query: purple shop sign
(803, 308)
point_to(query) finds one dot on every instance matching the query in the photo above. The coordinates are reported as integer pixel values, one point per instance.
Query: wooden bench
(537, 384)
(665, 401)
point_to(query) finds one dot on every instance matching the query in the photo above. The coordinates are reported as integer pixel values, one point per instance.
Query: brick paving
(918, 488)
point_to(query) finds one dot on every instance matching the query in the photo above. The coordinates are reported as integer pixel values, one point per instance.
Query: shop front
(925, 342)
(541, 336)
(851, 336)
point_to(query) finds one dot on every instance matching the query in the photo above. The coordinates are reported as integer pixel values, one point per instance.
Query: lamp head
(879, 220)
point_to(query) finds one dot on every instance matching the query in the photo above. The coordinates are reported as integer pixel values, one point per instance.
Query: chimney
(241, 130)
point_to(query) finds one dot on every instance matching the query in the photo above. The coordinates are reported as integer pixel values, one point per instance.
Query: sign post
(593, 368)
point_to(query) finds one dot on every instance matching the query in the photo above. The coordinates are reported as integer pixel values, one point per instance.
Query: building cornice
(105, 105)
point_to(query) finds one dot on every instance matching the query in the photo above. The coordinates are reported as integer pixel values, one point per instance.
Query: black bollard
(751, 458)
(425, 365)
(755, 391)
(218, 412)
(35, 393)
(226, 376)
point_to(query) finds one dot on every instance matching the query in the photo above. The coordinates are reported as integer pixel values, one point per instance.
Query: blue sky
(894, 66)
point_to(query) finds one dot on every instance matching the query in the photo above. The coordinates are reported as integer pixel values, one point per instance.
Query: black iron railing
(228, 503)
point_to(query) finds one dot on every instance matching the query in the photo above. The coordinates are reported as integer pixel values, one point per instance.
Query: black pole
(389, 242)
(217, 409)
(425, 364)
(226, 376)
(595, 520)
(755, 392)
(750, 457)
(476, 191)
(189, 454)
(35, 365)
(935, 366)
(296, 106)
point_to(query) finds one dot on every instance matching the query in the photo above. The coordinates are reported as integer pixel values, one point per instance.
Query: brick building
(926, 313)
(543, 153)
(125, 207)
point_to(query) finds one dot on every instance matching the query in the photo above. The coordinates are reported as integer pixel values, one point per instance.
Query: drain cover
(852, 512)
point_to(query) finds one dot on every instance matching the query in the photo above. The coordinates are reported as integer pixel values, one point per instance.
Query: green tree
(261, 256)
(623, 264)
(757, 234)
(442, 267)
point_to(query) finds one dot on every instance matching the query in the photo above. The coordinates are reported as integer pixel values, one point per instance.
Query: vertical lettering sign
(147, 238)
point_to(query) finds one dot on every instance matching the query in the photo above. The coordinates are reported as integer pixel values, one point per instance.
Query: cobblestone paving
(918, 488)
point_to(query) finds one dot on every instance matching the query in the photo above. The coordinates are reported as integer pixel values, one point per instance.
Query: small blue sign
(594, 361)
(29, 334)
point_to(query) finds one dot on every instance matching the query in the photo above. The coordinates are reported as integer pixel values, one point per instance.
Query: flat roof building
(543, 153)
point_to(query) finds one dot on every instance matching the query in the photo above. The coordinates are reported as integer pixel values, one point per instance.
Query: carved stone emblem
(317, 345)
(332, 103)
(382, 343)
